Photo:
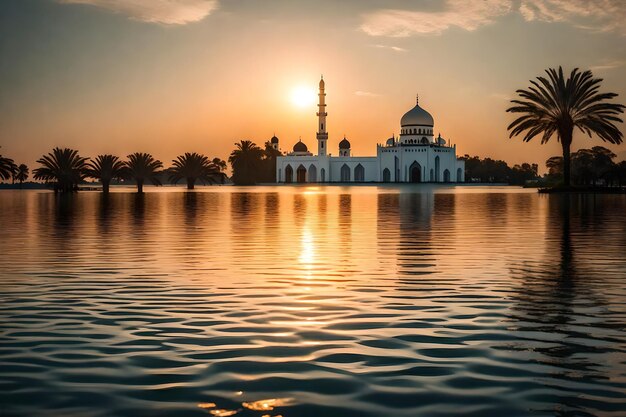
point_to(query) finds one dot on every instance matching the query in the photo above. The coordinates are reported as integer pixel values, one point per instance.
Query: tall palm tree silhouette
(64, 167)
(106, 168)
(558, 105)
(143, 167)
(7, 168)
(246, 162)
(21, 174)
(194, 167)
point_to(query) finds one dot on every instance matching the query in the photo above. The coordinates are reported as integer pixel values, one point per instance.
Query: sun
(302, 96)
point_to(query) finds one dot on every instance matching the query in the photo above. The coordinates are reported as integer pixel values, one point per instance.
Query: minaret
(322, 136)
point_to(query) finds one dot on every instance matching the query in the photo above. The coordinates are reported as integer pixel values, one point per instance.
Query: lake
(313, 301)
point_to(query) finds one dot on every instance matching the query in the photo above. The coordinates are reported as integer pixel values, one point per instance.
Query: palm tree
(7, 168)
(220, 163)
(21, 174)
(106, 168)
(193, 167)
(246, 161)
(65, 167)
(143, 167)
(558, 105)
(269, 162)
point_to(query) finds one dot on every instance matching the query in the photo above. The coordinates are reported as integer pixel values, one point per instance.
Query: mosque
(415, 156)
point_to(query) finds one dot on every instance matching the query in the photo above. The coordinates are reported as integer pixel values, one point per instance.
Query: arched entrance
(415, 172)
(432, 175)
(386, 175)
(301, 174)
(446, 175)
(312, 173)
(345, 173)
(359, 173)
(323, 175)
(288, 174)
(459, 175)
(437, 169)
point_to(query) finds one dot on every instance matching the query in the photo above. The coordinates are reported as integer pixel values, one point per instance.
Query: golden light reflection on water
(351, 300)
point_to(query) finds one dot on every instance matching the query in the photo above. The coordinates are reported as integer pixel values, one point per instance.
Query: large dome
(300, 147)
(417, 116)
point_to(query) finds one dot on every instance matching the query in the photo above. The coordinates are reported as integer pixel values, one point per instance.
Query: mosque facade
(415, 156)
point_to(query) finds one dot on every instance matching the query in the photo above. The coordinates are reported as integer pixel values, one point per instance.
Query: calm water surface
(313, 301)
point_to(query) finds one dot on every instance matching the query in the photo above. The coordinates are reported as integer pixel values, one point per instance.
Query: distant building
(415, 156)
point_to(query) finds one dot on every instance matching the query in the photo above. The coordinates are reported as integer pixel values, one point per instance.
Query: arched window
(437, 169)
(359, 173)
(323, 175)
(425, 140)
(301, 174)
(446, 175)
(432, 175)
(386, 175)
(288, 174)
(345, 173)
(459, 175)
(312, 173)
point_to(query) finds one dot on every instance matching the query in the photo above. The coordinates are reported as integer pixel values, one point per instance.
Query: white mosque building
(415, 156)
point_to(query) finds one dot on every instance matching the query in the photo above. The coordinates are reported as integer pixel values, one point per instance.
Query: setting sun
(302, 96)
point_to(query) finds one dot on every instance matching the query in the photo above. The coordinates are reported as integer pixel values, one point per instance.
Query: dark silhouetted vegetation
(253, 165)
(7, 168)
(194, 167)
(64, 168)
(489, 170)
(558, 105)
(142, 167)
(589, 167)
(106, 168)
(246, 161)
(21, 174)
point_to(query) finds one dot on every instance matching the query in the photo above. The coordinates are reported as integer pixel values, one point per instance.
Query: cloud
(365, 94)
(594, 15)
(606, 66)
(465, 14)
(391, 47)
(169, 12)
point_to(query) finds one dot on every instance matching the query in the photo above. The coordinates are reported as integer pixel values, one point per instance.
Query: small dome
(274, 139)
(440, 140)
(344, 144)
(391, 141)
(300, 147)
(417, 116)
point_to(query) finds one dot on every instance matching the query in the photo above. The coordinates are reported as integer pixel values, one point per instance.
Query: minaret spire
(417, 98)
(322, 135)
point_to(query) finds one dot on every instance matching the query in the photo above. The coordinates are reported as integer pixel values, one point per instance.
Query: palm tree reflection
(557, 312)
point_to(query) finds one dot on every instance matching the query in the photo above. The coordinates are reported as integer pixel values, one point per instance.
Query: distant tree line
(589, 167)
(489, 170)
(64, 169)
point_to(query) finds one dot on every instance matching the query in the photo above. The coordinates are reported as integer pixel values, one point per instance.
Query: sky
(168, 77)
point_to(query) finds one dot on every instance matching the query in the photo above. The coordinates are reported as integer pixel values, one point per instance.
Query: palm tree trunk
(191, 182)
(105, 186)
(140, 186)
(566, 142)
